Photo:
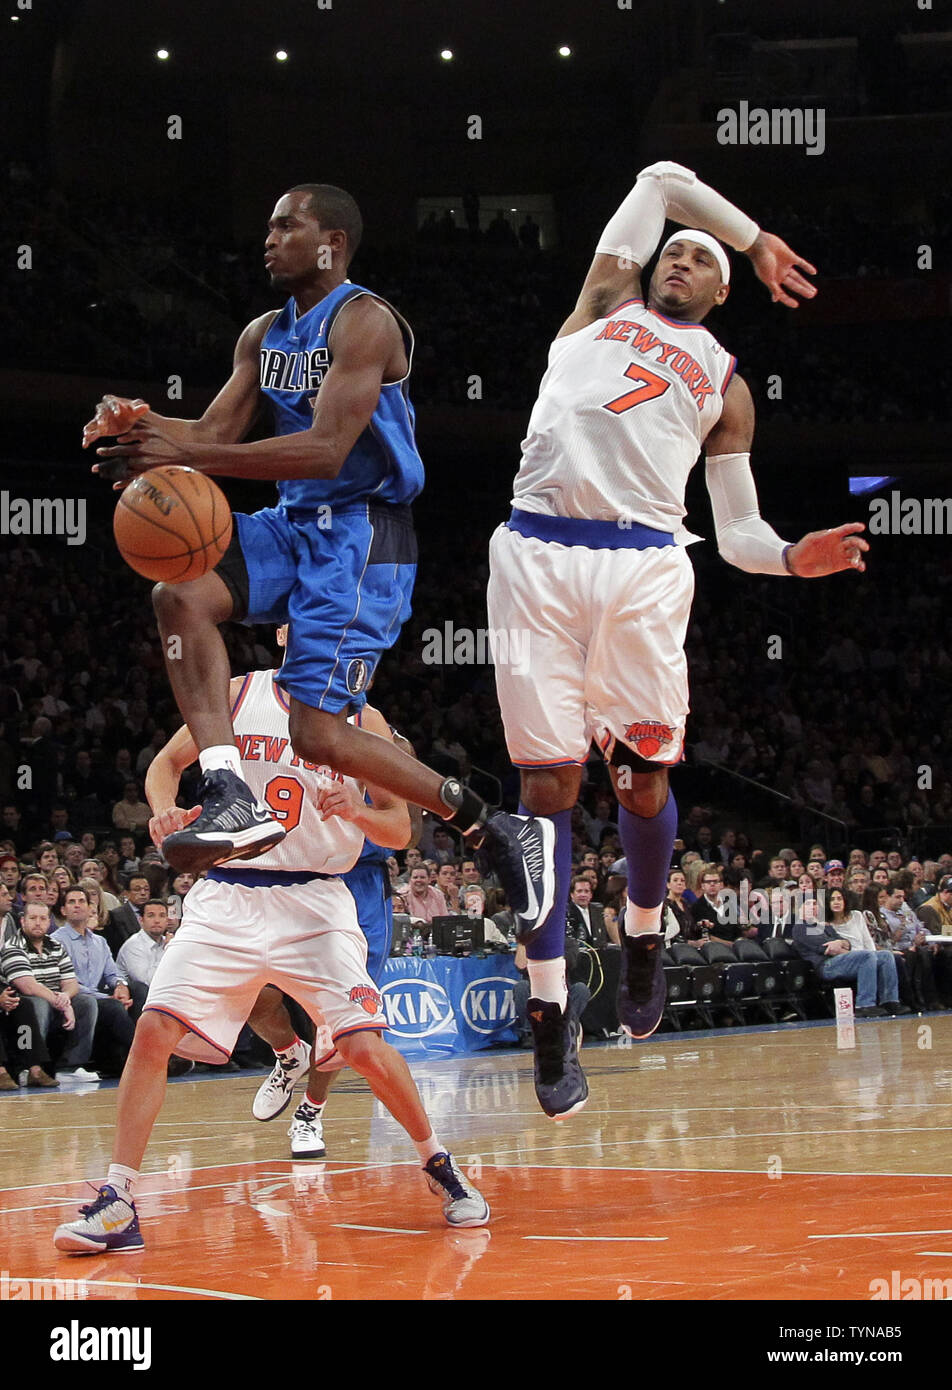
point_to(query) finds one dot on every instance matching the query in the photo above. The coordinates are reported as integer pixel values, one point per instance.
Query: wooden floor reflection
(765, 1165)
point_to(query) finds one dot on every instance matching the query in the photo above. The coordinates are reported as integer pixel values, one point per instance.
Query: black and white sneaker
(275, 1093)
(307, 1133)
(521, 850)
(233, 825)
(560, 1084)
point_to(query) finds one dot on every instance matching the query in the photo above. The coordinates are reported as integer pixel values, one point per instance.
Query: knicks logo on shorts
(367, 998)
(647, 736)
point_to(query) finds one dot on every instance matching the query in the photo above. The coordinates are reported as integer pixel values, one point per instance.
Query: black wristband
(467, 810)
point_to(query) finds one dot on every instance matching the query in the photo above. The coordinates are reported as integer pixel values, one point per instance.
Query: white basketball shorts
(589, 644)
(303, 938)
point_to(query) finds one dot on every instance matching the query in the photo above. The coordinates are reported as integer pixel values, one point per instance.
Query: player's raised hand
(114, 416)
(341, 800)
(779, 268)
(167, 822)
(828, 552)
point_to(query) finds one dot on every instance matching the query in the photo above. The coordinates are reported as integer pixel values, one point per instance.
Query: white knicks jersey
(288, 786)
(623, 409)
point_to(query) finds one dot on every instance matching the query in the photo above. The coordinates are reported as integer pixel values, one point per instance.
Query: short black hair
(155, 902)
(335, 209)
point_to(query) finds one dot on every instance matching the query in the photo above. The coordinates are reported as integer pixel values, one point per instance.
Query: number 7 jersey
(288, 786)
(622, 412)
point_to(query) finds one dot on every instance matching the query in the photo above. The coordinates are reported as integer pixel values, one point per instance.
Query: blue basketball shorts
(367, 882)
(342, 582)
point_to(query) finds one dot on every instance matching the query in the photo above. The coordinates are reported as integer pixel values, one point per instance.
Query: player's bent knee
(206, 599)
(640, 787)
(364, 1051)
(545, 791)
(156, 1036)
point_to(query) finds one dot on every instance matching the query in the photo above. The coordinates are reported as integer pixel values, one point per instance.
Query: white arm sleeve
(744, 539)
(669, 190)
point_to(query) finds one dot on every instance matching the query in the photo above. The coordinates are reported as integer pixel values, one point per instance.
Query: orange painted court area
(770, 1165)
(329, 1231)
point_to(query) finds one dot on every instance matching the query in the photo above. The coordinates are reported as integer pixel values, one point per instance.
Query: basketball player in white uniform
(592, 562)
(287, 921)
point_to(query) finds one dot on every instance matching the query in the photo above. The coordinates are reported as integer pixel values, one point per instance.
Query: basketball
(172, 524)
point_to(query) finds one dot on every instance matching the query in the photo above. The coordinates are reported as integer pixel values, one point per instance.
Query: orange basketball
(172, 524)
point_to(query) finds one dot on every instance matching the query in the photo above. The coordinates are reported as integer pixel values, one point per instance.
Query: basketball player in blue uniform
(336, 555)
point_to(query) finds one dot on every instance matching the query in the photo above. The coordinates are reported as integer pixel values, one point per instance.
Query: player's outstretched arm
(744, 539)
(141, 432)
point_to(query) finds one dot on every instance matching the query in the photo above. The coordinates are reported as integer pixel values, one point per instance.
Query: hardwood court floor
(762, 1165)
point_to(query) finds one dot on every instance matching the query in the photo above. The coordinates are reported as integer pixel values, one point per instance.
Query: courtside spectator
(447, 880)
(850, 923)
(834, 961)
(41, 971)
(586, 918)
(125, 920)
(139, 957)
(474, 906)
(94, 868)
(676, 915)
(97, 975)
(424, 902)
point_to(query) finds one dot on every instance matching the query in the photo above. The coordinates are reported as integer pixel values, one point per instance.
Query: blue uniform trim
(264, 878)
(594, 535)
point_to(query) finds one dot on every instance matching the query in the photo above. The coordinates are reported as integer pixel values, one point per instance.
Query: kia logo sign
(416, 1008)
(488, 1005)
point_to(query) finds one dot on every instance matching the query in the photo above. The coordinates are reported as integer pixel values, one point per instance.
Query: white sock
(317, 1105)
(642, 919)
(220, 755)
(547, 981)
(426, 1148)
(286, 1051)
(124, 1180)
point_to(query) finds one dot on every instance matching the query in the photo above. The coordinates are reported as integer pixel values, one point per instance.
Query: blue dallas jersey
(384, 464)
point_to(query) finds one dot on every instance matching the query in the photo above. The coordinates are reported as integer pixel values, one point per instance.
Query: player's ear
(721, 294)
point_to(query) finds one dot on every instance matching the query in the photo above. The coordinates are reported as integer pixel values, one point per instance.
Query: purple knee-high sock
(550, 943)
(648, 842)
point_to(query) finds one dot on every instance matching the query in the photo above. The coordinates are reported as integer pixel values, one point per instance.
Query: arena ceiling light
(565, 51)
(162, 54)
(281, 55)
(447, 55)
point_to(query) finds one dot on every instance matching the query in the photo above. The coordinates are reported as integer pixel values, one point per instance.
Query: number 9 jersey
(288, 786)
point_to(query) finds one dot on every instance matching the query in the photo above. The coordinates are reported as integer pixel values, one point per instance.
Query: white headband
(710, 244)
